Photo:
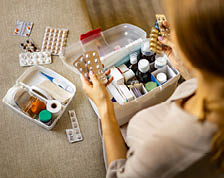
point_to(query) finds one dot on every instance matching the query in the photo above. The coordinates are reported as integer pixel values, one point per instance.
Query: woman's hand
(97, 90)
(170, 50)
(168, 46)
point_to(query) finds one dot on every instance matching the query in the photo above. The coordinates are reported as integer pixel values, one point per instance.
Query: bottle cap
(145, 46)
(161, 77)
(45, 116)
(160, 61)
(150, 85)
(133, 58)
(143, 65)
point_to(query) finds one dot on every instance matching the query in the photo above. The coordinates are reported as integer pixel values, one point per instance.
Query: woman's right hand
(168, 46)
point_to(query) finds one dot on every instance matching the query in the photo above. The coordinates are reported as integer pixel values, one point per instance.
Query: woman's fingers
(94, 78)
(109, 81)
(107, 72)
(86, 85)
(166, 24)
(166, 41)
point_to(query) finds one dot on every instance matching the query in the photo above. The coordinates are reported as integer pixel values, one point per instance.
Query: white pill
(94, 54)
(98, 66)
(89, 62)
(87, 55)
(91, 68)
(96, 60)
(80, 69)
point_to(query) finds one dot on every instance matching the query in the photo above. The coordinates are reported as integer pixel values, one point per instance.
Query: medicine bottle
(161, 77)
(134, 62)
(160, 61)
(143, 72)
(147, 53)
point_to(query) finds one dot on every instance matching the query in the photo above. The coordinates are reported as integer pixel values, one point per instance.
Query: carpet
(27, 150)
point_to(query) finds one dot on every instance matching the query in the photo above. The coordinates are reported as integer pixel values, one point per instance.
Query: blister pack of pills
(29, 46)
(54, 40)
(29, 59)
(23, 28)
(160, 19)
(90, 61)
(74, 134)
(154, 44)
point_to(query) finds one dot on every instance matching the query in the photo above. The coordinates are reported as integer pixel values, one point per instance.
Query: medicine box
(32, 82)
(114, 46)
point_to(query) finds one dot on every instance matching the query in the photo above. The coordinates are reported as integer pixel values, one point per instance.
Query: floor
(27, 150)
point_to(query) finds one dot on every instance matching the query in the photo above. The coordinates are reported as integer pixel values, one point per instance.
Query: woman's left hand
(97, 90)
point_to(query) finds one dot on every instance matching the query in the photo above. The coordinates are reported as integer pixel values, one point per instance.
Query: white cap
(161, 77)
(143, 65)
(145, 46)
(133, 58)
(160, 61)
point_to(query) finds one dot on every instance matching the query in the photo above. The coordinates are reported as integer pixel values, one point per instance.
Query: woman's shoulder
(184, 90)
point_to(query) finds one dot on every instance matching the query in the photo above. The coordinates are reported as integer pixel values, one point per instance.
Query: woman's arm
(114, 142)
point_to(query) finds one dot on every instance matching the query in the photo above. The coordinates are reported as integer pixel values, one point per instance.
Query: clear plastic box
(112, 44)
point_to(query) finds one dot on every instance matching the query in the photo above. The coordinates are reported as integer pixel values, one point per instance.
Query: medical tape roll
(54, 107)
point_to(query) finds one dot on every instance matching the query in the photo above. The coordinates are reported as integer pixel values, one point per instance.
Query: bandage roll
(54, 107)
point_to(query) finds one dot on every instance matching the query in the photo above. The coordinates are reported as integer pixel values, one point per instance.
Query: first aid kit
(41, 96)
(128, 90)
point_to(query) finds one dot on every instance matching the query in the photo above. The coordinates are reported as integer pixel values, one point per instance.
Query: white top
(165, 141)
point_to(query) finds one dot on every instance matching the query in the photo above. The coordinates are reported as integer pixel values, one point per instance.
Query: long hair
(199, 30)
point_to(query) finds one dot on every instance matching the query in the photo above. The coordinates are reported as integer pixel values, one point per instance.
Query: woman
(173, 136)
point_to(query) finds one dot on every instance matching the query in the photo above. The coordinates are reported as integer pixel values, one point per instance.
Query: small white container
(32, 77)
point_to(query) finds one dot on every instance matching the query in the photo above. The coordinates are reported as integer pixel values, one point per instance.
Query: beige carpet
(27, 150)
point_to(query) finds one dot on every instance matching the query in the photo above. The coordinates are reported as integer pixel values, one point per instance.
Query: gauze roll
(54, 107)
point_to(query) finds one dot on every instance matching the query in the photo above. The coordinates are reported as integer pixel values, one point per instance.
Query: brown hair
(199, 29)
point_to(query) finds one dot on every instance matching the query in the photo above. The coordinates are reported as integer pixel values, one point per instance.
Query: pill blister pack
(154, 44)
(90, 61)
(74, 134)
(29, 46)
(23, 28)
(29, 59)
(54, 40)
(160, 19)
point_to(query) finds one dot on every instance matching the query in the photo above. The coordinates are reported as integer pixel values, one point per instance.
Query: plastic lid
(150, 85)
(45, 116)
(161, 77)
(143, 65)
(133, 58)
(160, 62)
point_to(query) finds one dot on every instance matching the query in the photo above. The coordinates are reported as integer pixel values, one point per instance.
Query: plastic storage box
(114, 46)
(29, 82)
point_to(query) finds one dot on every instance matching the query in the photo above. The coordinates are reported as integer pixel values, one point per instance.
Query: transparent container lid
(111, 41)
